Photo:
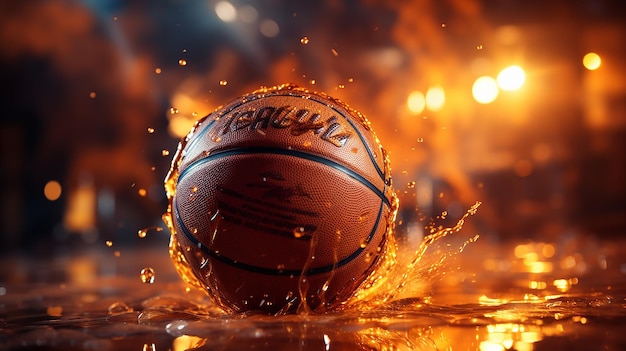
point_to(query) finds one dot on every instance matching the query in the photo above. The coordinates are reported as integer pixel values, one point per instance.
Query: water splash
(407, 273)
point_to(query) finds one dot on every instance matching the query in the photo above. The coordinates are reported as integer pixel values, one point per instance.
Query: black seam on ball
(287, 152)
(276, 271)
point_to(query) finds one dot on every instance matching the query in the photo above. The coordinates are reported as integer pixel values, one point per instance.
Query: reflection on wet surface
(515, 296)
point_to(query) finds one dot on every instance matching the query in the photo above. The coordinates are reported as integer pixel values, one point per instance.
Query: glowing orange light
(80, 213)
(435, 98)
(52, 190)
(511, 78)
(485, 90)
(592, 61)
(416, 102)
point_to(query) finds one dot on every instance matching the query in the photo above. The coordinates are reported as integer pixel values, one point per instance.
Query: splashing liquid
(401, 270)
(406, 273)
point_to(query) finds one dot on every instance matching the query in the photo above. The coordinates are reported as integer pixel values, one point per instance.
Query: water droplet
(443, 25)
(173, 110)
(280, 266)
(307, 143)
(335, 53)
(142, 192)
(150, 130)
(420, 140)
(158, 70)
(350, 80)
(312, 81)
(142, 233)
(298, 232)
(149, 347)
(182, 62)
(176, 328)
(165, 152)
(223, 82)
(364, 244)
(109, 243)
(119, 308)
(341, 86)
(117, 253)
(147, 275)
(304, 40)
(479, 47)
(411, 185)
(92, 95)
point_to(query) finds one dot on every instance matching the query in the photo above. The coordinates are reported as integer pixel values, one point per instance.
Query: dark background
(81, 89)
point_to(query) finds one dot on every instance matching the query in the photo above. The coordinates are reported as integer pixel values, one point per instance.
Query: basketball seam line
(287, 152)
(276, 271)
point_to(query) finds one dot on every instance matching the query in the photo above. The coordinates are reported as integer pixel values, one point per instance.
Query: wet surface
(509, 296)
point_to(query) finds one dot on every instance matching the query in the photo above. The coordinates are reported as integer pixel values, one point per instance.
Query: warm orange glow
(537, 285)
(511, 78)
(435, 98)
(523, 168)
(184, 113)
(52, 190)
(416, 102)
(539, 267)
(80, 215)
(485, 90)
(186, 342)
(548, 250)
(592, 61)
(179, 126)
(506, 336)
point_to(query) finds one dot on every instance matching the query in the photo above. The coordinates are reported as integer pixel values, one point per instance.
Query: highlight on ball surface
(279, 200)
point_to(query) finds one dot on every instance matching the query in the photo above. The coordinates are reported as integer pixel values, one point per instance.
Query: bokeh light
(248, 14)
(52, 190)
(592, 61)
(416, 102)
(511, 78)
(225, 11)
(435, 98)
(269, 28)
(485, 90)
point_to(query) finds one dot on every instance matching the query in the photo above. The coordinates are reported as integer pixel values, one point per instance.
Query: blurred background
(518, 104)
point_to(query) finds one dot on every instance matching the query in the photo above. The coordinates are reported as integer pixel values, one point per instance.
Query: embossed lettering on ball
(280, 198)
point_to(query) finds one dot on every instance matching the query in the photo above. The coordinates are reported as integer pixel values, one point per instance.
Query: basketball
(278, 199)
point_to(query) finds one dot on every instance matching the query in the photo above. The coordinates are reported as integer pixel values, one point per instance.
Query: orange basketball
(280, 197)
